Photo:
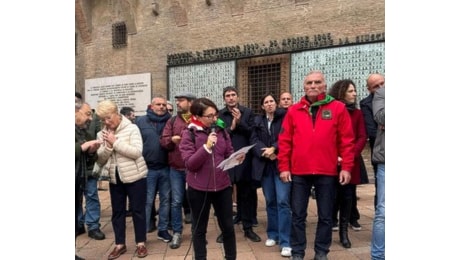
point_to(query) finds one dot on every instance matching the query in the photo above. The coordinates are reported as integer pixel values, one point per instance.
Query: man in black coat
(239, 122)
(85, 153)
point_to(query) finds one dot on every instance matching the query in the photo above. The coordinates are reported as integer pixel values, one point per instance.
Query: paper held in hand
(232, 161)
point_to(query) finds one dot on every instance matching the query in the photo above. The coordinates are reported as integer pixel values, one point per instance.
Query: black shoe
(96, 234)
(252, 236)
(335, 226)
(78, 258)
(343, 235)
(81, 230)
(355, 225)
(165, 236)
(220, 239)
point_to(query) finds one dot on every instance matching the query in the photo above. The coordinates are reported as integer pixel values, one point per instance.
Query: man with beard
(92, 214)
(170, 140)
(85, 153)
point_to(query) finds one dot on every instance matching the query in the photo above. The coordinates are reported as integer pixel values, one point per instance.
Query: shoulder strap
(192, 134)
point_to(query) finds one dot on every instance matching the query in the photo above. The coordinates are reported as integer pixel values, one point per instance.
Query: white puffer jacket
(126, 154)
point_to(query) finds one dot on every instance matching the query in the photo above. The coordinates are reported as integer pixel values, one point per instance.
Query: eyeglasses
(210, 116)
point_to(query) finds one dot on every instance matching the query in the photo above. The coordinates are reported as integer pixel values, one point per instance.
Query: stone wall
(193, 25)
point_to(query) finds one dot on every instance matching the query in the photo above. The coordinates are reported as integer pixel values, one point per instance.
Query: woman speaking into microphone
(205, 144)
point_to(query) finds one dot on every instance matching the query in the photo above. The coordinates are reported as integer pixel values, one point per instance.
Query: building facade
(204, 45)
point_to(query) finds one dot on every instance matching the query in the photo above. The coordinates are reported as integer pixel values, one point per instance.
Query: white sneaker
(270, 242)
(286, 251)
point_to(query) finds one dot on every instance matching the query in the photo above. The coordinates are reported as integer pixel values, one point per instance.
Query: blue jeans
(177, 179)
(277, 203)
(325, 189)
(378, 229)
(158, 180)
(92, 213)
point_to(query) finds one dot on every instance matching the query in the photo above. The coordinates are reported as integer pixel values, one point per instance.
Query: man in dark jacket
(378, 229)
(239, 122)
(156, 157)
(85, 153)
(92, 214)
(374, 82)
(170, 140)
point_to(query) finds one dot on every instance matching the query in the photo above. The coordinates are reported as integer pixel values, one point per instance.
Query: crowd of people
(314, 144)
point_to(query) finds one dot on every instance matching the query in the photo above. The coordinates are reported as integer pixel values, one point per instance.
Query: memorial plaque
(133, 90)
(204, 80)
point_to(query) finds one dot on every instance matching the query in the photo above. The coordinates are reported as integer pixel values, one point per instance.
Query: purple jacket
(202, 171)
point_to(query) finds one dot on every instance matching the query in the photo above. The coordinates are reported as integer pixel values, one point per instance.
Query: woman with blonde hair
(121, 154)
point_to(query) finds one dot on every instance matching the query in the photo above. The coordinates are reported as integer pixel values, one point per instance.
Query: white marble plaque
(133, 90)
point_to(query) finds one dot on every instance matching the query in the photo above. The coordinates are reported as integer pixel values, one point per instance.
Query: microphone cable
(204, 201)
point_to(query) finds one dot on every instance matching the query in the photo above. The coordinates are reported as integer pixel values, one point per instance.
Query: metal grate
(119, 35)
(262, 80)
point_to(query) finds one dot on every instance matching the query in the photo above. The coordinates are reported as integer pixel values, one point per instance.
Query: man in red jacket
(316, 131)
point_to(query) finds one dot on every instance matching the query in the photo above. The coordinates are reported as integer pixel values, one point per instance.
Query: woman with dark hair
(205, 144)
(267, 126)
(345, 91)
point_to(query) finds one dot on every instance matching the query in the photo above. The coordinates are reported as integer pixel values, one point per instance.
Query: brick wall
(192, 25)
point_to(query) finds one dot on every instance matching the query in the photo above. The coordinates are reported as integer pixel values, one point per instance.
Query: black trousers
(78, 201)
(246, 198)
(136, 192)
(200, 205)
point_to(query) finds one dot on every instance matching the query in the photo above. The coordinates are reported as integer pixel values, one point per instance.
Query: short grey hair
(78, 104)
